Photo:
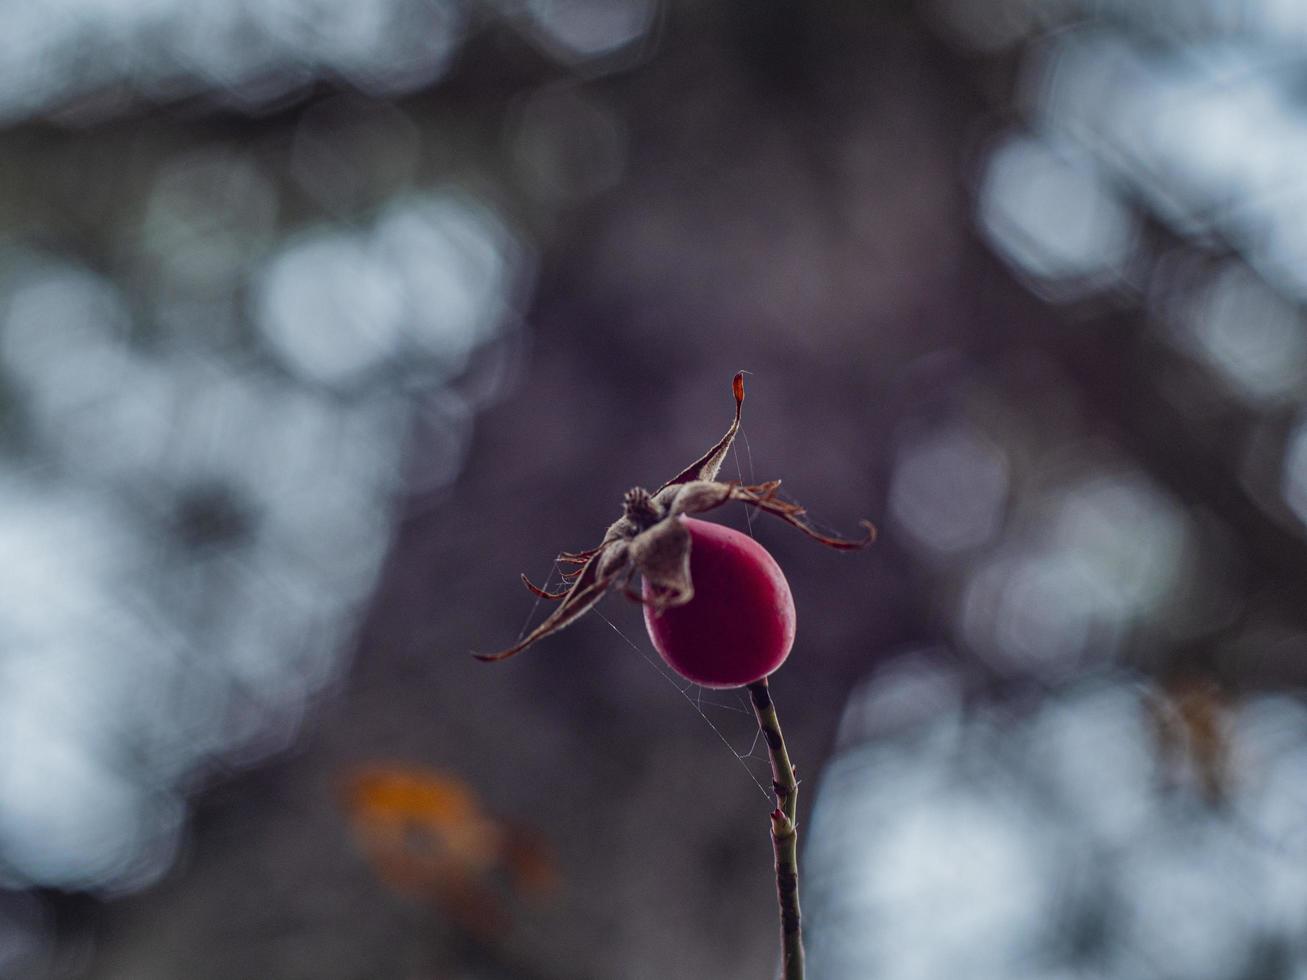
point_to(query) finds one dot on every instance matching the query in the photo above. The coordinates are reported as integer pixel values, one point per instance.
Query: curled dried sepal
(543, 593)
(763, 496)
(703, 495)
(649, 539)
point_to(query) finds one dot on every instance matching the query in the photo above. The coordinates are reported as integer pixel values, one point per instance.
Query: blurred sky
(321, 321)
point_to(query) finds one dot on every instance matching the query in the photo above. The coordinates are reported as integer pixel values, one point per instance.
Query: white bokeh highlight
(1053, 215)
(949, 489)
(191, 530)
(979, 841)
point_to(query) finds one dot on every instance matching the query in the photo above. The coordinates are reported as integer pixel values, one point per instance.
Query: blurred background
(321, 321)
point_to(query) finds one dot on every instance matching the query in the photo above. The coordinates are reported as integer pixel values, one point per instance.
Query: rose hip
(739, 626)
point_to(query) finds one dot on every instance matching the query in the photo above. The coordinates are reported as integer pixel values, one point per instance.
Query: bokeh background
(322, 320)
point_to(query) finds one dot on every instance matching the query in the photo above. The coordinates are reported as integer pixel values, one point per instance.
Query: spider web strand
(684, 692)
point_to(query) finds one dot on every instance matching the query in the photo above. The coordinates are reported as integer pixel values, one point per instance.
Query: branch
(784, 831)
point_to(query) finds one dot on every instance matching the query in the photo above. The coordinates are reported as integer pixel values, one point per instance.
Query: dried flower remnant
(650, 539)
(426, 835)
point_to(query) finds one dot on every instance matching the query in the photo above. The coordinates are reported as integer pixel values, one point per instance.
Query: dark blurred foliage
(321, 321)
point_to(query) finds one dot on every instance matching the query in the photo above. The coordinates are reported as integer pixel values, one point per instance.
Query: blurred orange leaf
(426, 835)
(1191, 724)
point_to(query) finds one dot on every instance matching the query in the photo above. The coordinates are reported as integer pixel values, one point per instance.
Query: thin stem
(784, 831)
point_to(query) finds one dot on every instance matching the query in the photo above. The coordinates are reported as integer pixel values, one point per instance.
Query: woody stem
(784, 831)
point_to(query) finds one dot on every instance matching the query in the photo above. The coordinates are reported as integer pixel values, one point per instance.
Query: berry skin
(739, 626)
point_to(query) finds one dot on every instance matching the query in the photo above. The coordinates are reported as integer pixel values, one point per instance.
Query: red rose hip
(739, 626)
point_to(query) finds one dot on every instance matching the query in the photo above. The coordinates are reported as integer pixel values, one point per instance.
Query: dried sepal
(662, 555)
(707, 465)
(697, 496)
(595, 578)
